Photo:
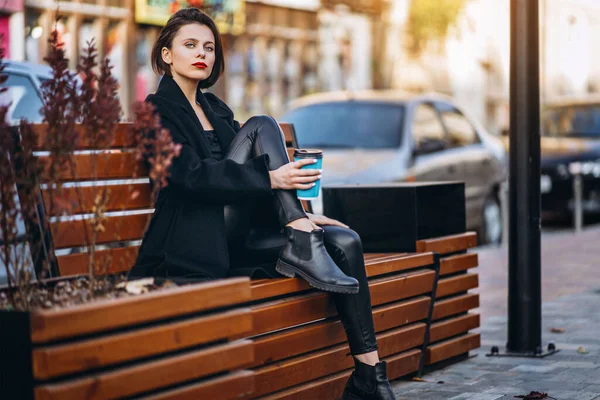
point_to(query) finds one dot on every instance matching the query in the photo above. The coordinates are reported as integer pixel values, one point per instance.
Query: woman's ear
(166, 56)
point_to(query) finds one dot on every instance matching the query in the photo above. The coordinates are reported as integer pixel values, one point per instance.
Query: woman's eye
(189, 45)
(208, 48)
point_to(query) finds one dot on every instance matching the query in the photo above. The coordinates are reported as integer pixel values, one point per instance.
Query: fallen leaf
(418, 379)
(582, 350)
(557, 330)
(441, 382)
(534, 395)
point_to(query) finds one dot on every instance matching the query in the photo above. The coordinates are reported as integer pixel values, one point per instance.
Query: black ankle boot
(305, 255)
(368, 382)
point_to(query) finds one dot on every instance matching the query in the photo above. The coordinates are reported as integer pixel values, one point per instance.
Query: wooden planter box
(131, 346)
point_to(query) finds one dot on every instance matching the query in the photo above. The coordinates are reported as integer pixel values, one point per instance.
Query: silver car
(389, 136)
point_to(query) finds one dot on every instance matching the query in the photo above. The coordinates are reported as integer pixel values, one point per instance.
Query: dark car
(389, 136)
(570, 143)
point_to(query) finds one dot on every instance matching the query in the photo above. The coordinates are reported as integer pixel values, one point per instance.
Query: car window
(23, 97)
(460, 130)
(574, 121)
(353, 124)
(427, 127)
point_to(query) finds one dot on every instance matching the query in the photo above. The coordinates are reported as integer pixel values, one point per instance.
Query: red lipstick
(200, 65)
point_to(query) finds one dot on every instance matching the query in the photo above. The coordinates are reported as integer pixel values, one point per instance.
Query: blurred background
(415, 89)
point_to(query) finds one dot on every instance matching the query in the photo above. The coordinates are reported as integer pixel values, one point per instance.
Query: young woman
(231, 197)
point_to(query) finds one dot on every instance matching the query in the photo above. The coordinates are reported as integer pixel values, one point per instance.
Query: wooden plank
(116, 228)
(457, 284)
(288, 133)
(279, 314)
(383, 265)
(113, 165)
(53, 361)
(229, 387)
(452, 347)
(108, 261)
(452, 327)
(448, 244)
(103, 315)
(122, 138)
(458, 263)
(123, 197)
(291, 342)
(304, 368)
(152, 375)
(290, 153)
(332, 387)
(455, 305)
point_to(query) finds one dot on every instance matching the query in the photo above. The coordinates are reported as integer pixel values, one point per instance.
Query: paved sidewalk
(571, 282)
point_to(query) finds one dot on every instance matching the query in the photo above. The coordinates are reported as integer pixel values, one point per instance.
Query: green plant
(430, 20)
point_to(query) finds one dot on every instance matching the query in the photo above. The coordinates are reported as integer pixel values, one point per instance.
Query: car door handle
(452, 169)
(486, 161)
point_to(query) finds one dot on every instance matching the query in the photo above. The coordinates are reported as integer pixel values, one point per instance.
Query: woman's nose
(201, 54)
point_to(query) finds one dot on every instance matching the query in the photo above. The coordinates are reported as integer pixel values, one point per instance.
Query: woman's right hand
(291, 176)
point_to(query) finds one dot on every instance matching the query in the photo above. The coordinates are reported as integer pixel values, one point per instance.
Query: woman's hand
(290, 176)
(321, 220)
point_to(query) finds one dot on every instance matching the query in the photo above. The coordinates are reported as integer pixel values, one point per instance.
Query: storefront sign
(228, 14)
(11, 5)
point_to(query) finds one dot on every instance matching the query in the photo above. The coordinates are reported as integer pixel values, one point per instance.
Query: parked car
(570, 142)
(389, 136)
(24, 95)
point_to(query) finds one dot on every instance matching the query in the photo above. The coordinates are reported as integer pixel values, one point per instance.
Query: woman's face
(192, 53)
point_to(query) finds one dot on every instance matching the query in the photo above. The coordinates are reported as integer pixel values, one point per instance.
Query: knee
(344, 239)
(262, 121)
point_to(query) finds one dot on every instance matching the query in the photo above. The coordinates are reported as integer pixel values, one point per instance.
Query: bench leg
(436, 267)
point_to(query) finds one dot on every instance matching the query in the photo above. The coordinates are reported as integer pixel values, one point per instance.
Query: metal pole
(577, 198)
(524, 286)
(505, 212)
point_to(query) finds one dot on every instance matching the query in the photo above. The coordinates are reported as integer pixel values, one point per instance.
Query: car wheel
(491, 226)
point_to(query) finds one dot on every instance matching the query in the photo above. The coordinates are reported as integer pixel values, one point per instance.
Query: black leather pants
(256, 237)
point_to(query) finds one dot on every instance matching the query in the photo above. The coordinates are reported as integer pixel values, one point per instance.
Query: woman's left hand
(321, 220)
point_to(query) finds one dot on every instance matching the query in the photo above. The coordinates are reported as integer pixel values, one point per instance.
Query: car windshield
(575, 121)
(362, 125)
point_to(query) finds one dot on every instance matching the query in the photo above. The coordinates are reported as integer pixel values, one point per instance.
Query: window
(363, 125)
(460, 130)
(427, 128)
(23, 97)
(574, 121)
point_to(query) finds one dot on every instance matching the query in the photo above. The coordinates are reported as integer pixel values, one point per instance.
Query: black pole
(524, 274)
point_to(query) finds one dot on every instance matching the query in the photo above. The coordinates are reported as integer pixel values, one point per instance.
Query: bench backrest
(127, 211)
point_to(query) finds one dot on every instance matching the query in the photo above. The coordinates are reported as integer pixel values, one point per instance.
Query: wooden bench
(272, 339)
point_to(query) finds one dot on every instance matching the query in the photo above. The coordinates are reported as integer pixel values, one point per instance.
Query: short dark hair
(187, 16)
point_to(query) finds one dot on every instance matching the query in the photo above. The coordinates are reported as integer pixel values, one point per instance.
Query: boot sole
(290, 271)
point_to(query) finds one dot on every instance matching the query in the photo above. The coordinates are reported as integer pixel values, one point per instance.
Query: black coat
(187, 235)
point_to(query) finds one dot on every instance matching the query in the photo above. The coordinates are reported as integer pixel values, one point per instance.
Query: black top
(215, 147)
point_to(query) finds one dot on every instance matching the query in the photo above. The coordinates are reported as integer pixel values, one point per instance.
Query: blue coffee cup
(302, 154)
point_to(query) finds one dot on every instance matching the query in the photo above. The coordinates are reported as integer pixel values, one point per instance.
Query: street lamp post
(524, 250)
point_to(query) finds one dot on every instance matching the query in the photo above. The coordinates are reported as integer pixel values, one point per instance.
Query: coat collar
(217, 115)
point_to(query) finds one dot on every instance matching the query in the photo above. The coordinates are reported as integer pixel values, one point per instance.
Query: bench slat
(448, 244)
(296, 310)
(331, 387)
(133, 196)
(122, 138)
(228, 387)
(47, 325)
(291, 342)
(72, 233)
(457, 284)
(53, 361)
(393, 263)
(452, 347)
(114, 165)
(109, 261)
(445, 329)
(458, 263)
(455, 305)
(152, 375)
(315, 365)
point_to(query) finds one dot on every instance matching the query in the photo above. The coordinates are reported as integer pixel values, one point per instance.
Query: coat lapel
(218, 119)
(170, 90)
